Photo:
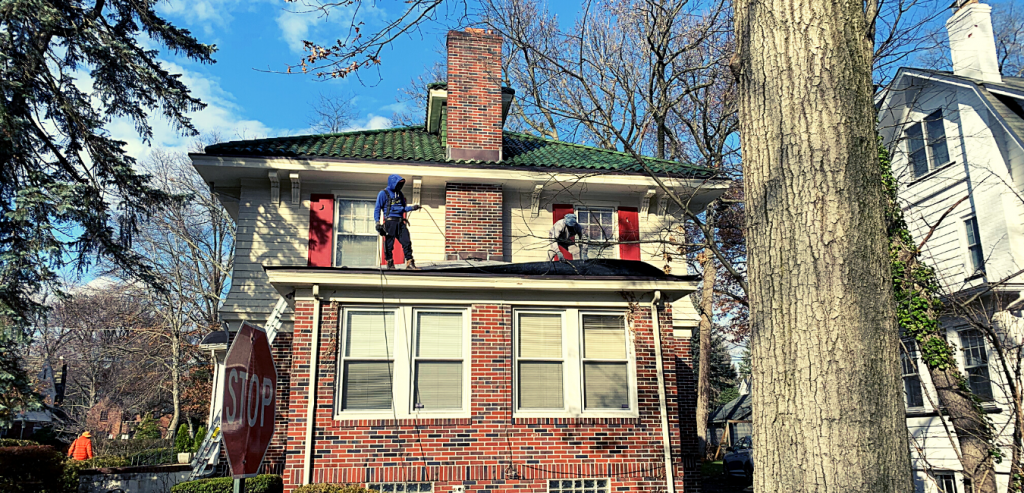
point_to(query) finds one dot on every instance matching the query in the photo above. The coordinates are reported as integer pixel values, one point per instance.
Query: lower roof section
(540, 281)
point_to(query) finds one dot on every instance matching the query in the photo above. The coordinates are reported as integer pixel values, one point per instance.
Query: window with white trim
(438, 360)
(972, 343)
(585, 485)
(926, 144)
(574, 363)
(974, 251)
(367, 360)
(403, 361)
(911, 378)
(945, 481)
(599, 228)
(401, 487)
(356, 241)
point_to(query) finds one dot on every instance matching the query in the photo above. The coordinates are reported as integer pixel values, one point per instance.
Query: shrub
(264, 483)
(182, 441)
(148, 428)
(14, 442)
(30, 468)
(153, 457)
(200, 436)
(103, 446)
(332, 488)
(69, 478)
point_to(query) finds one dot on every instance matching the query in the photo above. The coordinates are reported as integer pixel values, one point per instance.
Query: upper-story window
(403, 361)
(976, 363)
(926, 144)
(599, 227)
(573, 362)
(356, 242)
(911, 377)
(974, 251)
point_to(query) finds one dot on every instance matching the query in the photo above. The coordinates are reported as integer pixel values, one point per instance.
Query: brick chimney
(972, 43)
(474, 95)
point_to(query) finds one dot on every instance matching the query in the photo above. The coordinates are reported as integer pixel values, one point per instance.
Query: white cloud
(309, 24)
(221, 115)
(370, 122)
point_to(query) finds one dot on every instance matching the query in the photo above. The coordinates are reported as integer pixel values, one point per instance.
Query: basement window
(591, 485)
(401, 487)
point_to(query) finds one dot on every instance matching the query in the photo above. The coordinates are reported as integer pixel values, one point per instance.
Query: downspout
(314, 352)
(662, 407)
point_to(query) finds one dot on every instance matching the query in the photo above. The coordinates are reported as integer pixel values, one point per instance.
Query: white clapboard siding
(427, 237)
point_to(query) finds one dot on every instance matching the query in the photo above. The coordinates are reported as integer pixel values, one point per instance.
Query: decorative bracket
(417, 186)
(535, 200)
(275, 187)
(663, 205)
(296, 188)
(645, 203)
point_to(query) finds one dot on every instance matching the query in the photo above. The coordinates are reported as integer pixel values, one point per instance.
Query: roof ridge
(330, 134)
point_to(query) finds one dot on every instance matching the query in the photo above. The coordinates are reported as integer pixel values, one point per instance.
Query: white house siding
(267, 234)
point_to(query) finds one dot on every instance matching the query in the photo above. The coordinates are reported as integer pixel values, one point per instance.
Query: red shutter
(629, 233)
(397, 253)
(321, 229)
(558, 211)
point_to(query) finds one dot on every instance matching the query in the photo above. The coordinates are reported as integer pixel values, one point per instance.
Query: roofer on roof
(394, 226)
(564, 233)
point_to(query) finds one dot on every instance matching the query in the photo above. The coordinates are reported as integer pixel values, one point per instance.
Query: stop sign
(247, 416)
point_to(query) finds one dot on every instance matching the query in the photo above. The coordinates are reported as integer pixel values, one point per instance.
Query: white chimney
(971, 42)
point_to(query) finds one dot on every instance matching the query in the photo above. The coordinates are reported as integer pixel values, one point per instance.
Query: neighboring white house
(958, 154)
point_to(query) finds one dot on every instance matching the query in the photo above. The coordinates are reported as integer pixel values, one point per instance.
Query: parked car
(738, 459)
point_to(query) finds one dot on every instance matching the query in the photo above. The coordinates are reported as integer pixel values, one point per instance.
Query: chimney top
(971, 42)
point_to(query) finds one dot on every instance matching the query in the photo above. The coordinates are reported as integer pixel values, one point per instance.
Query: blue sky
(254, 37)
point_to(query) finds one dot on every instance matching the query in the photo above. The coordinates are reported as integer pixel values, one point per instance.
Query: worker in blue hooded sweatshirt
(392, 202)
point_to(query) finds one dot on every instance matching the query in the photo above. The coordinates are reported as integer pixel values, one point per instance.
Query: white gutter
(314, 352)
(423, 280)
(662, 408)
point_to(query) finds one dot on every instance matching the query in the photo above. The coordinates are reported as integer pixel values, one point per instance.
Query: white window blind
(439, 361)
(605, 362)
(540, 361)
(367, 362)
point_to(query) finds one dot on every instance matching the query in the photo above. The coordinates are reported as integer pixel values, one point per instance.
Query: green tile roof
(415, 144)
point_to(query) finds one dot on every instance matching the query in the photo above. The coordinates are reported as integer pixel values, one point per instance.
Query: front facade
(958, 155)
(493, 367)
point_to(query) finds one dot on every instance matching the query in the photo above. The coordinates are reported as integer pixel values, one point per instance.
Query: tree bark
(707, 262)
(972, 431)
(828, 408)
(172, 428)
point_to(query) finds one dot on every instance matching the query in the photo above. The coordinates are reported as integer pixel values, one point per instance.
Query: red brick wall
(474, 94)
(491, 450)
(472, 222)
(281, 349)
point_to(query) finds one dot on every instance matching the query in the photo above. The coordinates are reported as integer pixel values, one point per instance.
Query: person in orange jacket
(81, 448)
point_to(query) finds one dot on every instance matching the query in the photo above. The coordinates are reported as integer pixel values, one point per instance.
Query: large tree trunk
(172, 428)
(707, 262)
(972, 431)
(827, 398)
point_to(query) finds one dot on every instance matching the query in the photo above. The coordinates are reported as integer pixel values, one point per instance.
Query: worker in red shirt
(81, 448)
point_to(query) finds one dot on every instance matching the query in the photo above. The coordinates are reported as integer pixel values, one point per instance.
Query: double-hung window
(946, 482)
(356, 244)
(367, 362)
(403, 362)
(573, 363)
(911, 377)
(599, 227)
(438, 366)
(926, 144)
(972, 342)
(974, 251)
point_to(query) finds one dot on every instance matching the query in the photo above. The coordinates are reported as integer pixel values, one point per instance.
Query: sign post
(250, 399)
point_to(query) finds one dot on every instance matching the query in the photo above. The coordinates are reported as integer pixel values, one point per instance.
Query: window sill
(920, 412)
(574, 415)
(976, 276)
(931, 173)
